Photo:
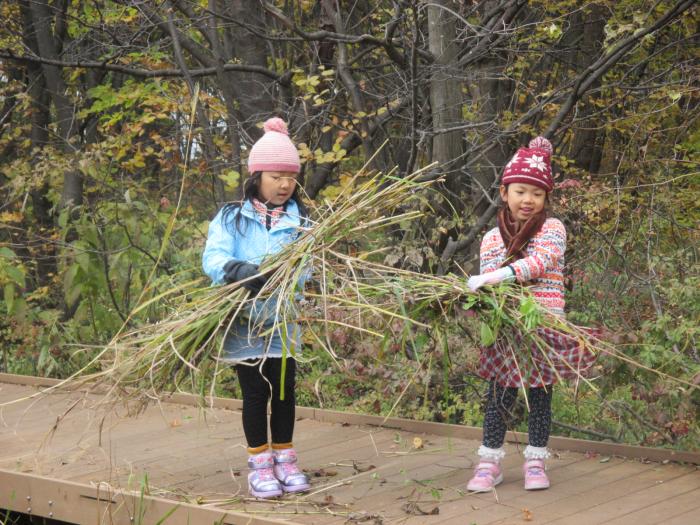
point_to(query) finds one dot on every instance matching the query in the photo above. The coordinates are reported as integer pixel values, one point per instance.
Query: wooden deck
(131, 470)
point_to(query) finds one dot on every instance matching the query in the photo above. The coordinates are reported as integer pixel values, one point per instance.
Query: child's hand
(239, 270)
(502, 274)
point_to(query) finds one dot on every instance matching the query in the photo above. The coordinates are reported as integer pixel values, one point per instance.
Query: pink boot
(287, 472)
(535, 476)
(487, 475)
(261, 479)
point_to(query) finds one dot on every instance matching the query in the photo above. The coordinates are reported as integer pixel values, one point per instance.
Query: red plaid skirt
(563, 357)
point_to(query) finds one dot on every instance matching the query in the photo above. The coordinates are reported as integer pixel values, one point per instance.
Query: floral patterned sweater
(543, 266)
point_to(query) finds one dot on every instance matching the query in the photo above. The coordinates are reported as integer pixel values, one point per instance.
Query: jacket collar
(290, 219)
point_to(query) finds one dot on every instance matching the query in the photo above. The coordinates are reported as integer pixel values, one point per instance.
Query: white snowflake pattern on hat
(537, 162)
(513, 160)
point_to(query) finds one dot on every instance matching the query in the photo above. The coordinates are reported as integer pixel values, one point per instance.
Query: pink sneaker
(262, 482)
(535, 476)
(487, 475)
(287, 472)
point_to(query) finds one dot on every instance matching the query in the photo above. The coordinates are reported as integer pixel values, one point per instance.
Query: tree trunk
(66, 120)
(446, 99)
(587, 141)
(492, 94)
(39, 136)
(254, 91)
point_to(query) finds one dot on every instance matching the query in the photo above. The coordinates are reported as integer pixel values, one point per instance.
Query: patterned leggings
(498, 414)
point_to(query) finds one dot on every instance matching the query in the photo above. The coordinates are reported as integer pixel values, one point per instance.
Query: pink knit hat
(274, 151)
(531, 165)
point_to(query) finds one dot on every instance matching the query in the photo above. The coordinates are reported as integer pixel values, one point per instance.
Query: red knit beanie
(274, 151)
(531, 165)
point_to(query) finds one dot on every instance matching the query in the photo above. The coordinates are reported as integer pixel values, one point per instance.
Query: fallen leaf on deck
(527, 515)
(364, 517)
(359, 469)
(417, 443)
(413, 509)
(321, 473)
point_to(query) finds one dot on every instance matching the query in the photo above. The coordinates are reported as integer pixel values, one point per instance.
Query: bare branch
(283, 79)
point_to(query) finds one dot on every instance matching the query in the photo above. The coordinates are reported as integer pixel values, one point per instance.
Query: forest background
(95, 100)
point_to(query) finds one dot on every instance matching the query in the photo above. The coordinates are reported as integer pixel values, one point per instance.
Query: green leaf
(231, 178)
(73, 294)
(487, 336)
(15, 274)
(7, 253)
(9, 292)
(527, 305)
(470, 301)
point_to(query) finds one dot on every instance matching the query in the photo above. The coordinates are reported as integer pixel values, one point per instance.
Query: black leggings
(256, 393)
(498, 414)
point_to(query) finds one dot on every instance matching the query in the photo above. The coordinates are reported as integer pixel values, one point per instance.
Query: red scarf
(516, 236)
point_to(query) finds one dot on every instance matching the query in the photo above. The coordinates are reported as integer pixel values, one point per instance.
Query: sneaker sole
(296, 488)
(537, 487)
(265, 495)
(496, 482)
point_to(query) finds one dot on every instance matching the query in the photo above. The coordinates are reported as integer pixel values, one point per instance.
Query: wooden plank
(428, 427)
(510, 491)
(659, 512)
(196, 457)
(579, 508)
(358, 449)
(686, 518)
(635, 500)
(82, 504)
(576, 485)
(308, 506)
(396, 495)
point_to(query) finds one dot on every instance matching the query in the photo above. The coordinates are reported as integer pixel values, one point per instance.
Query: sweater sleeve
(218, 250)
(491, 251)
(549, 247)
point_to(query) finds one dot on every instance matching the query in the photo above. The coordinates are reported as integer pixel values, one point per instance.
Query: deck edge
(90, 505)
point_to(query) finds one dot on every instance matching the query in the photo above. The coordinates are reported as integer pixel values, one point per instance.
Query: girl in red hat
(528, 247)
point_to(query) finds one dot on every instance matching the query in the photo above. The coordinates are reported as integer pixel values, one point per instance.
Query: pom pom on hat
(274, 151)
(276, 124)
(541, 143)
(531, 165)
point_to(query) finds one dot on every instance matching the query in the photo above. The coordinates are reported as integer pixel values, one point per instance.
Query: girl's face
(524, 200)
(276, 187)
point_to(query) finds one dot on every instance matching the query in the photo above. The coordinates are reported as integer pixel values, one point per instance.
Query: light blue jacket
(250, 241)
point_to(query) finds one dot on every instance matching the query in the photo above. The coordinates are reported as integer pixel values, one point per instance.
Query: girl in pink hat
(527, 246)
(241, 235)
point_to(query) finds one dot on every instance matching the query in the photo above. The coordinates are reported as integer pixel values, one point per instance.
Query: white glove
(497, 276)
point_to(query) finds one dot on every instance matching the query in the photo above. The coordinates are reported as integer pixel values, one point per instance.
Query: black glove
(238, 270)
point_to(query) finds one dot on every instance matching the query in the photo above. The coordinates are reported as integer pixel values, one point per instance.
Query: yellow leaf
(417, 443)
(11, 216)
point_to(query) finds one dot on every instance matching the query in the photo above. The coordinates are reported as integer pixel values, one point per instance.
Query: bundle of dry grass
(181, 351)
